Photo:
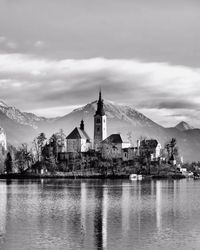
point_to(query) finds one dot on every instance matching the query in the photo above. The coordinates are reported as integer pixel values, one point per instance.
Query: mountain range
(23, 127)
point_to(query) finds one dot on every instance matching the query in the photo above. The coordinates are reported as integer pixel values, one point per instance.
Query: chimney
(82, 125)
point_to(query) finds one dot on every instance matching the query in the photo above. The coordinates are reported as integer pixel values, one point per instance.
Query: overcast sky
(54, 55)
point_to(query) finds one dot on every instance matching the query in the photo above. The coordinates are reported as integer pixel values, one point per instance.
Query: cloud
(170, 103)
(34, 83)
(154, 30)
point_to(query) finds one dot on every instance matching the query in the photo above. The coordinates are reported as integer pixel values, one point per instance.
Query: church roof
(114, 138)
(100, 108)
(77, 133)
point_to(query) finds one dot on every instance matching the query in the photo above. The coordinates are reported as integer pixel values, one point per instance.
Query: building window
(98, 120)
(98, 129)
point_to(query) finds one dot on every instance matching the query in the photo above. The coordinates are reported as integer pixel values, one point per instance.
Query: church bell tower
(100, 124)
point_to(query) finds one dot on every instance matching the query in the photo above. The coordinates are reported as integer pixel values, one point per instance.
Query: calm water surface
(96, 214)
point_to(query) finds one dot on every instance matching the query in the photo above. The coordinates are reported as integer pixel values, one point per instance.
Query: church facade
(78, 140)
(100, 124)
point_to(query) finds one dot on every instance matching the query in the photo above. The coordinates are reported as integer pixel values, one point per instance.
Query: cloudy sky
(54, 55)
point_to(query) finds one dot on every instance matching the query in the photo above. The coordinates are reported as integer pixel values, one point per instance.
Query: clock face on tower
(98, 128)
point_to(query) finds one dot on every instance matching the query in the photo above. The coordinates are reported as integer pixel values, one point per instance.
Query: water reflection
(3, 210)
(125, 205)
(96, 214)
(98, 218)
(159, 205)
(83, 206)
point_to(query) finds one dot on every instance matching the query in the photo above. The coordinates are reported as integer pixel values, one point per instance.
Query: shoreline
(92, 176)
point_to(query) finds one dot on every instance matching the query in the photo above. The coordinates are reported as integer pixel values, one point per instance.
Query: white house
(78, 140)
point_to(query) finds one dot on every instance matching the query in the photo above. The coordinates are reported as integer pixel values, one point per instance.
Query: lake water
(96, 214)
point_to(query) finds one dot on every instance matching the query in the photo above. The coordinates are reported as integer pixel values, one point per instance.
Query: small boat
(135, 177)
(190, 175)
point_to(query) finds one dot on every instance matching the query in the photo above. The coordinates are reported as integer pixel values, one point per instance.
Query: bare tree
(130, 138)
(38, 144)
(23, 158)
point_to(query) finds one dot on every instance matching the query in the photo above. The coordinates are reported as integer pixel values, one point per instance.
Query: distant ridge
(183, 126)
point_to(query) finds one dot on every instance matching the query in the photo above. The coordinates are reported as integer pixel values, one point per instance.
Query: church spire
(100, 94)
(82, 125)
(100, 124)
(100, 108)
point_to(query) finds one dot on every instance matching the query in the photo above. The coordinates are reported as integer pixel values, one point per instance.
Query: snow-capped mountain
(121, 119)
(22, 118)
(183, 126)
(23, 127)
(3, 104)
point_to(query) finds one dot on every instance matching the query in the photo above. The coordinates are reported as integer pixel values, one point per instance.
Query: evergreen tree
(8, 163)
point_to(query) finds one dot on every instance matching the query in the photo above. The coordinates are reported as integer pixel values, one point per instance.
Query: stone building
(100, 124)
(78, 140)
(129, 154)
(111, 147)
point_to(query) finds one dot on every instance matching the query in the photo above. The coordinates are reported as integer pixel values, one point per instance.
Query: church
(111, 146)
(78, 140)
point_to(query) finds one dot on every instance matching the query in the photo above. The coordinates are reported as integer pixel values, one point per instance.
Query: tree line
(44, 153)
